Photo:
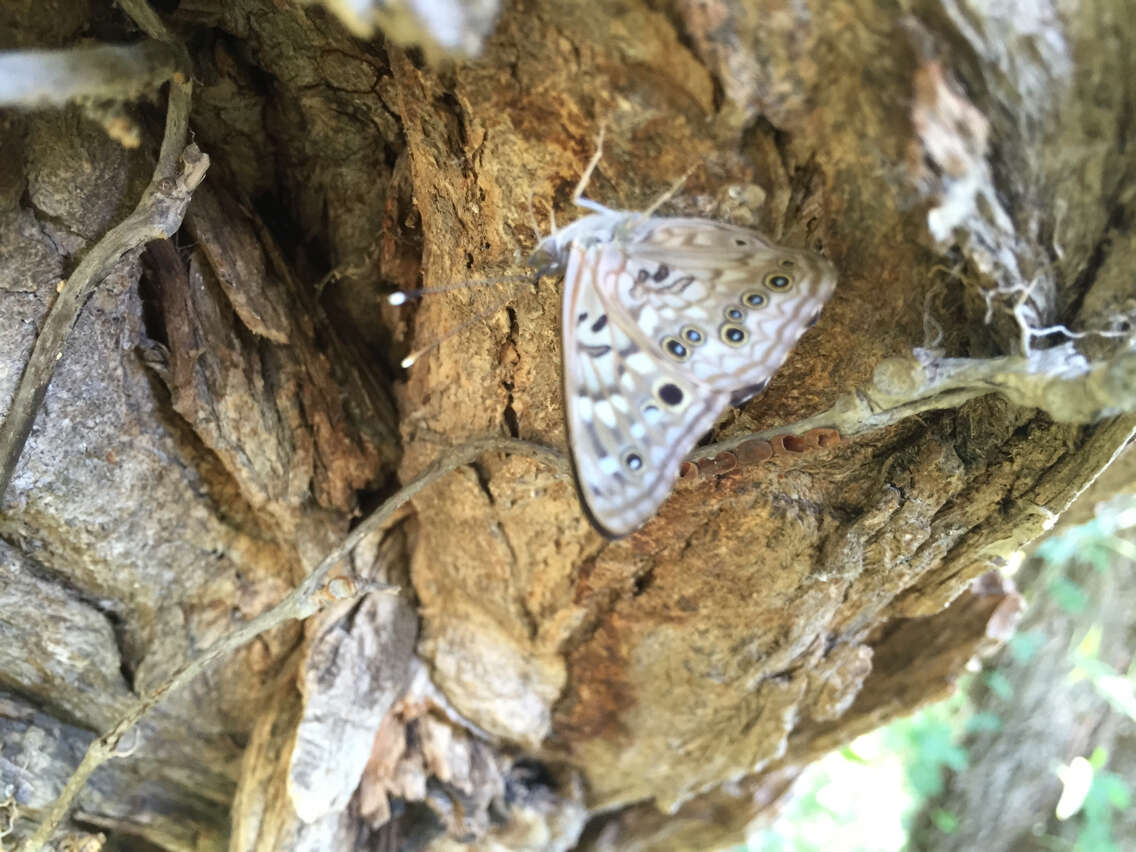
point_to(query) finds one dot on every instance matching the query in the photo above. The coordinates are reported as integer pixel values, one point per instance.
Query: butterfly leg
(578, 193)
(669, 194)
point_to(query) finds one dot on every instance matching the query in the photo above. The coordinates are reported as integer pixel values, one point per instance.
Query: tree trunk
(1049, 709)
(230, 400)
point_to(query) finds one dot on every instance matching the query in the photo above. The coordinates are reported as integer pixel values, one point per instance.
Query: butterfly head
(551, 256)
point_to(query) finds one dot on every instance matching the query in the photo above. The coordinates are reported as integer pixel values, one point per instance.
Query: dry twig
(158, 215)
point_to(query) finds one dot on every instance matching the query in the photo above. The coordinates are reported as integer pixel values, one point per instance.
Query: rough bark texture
(230, 400)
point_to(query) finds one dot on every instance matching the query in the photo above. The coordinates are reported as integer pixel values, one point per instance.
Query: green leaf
(1098, 557)
(926, 779)
(1000, 685)
(983, 722)
(1068, 595)
(1089, 646)
(945, 821)
(1059, 550)
(1024, 646)
(849, 754)
(1098, 758)
(1116, 791)
(1119, 794)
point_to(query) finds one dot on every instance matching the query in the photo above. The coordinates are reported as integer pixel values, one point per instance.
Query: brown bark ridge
(230, 400)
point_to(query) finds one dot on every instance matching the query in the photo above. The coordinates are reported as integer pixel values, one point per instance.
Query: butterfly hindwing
(631, 418)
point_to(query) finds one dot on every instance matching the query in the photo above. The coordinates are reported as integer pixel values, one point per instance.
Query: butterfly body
(665, 323)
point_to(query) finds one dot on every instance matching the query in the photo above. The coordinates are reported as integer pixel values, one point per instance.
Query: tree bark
(230, 401)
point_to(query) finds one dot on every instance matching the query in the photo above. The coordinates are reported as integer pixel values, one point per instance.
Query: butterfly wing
(665, 322)
(720, 303)
(631, 416)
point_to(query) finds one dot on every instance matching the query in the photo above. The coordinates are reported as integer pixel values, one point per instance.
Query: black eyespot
(733, 335)
(599, 324)
(675, 349)
(739, 242)
(662, 272)
(777, 281)
(754, 299)
(670, 394)
(642, 276)
(692, 335)
(633, 461)
(735, 314)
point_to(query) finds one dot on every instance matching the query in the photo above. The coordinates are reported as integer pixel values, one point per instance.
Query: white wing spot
(696, 292)
(648, 319)
(584, 408)
(608, 465)
(638, 431)
(606, 413)
(640, 362)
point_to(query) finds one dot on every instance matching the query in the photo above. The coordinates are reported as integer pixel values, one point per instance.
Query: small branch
(158, 215)
(42, 78)
(1059, 381)
(301, 602)
(147, 20)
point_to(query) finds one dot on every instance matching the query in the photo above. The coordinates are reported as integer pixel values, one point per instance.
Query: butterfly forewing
(736, 310)
(664, 321)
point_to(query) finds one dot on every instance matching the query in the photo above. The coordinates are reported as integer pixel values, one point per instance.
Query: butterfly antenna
(401, 297)
(488, 312)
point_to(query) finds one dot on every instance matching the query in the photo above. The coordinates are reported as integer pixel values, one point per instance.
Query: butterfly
(666, 323)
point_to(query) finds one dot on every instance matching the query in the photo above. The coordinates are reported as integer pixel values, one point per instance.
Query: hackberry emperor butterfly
(666, 322)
